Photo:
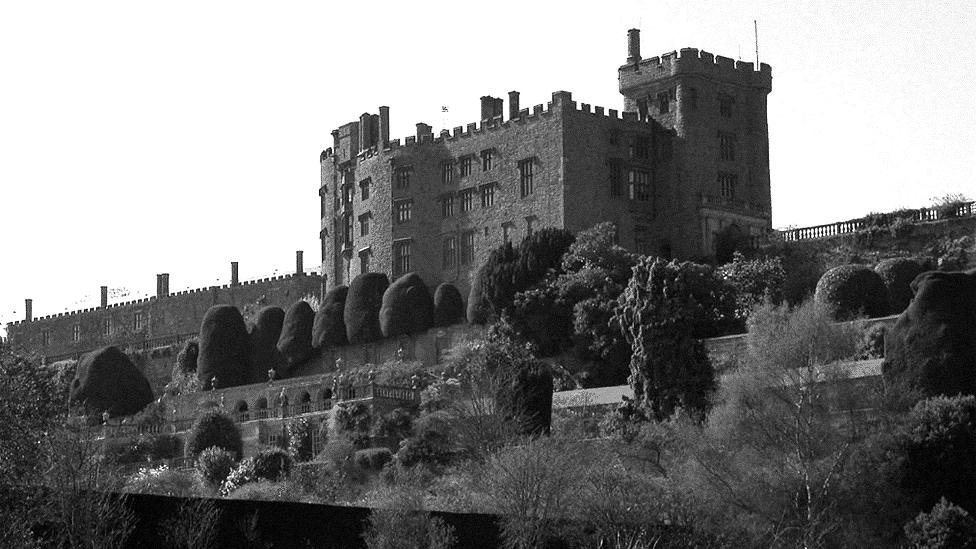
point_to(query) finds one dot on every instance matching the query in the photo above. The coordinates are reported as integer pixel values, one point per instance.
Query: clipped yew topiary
(224, 348)
(186, 360)
(329, 330)
(106, 380)
(897, 274)
(264, 335)
(273, 464)
(295, 344)
(361, 314)
(214, 428)
(852, 290)
(494, 285)
(448, 305)
(407, 307)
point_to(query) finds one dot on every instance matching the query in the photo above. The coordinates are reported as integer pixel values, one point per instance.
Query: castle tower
(715, 108)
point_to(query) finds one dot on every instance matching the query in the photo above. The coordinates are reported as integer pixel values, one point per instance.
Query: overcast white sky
(138, 138)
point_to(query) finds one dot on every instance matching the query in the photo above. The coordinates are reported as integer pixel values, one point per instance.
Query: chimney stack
(491, 108)
(165, 284)
(104, 296)
(29, 310)
(233, 274)
(384, 127)
(424, 132)
(365, 137)
(299, 267)
(159, 286)
(633, 46)
(513, 104)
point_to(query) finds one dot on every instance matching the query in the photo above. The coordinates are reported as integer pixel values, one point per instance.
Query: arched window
(242, 413)
(282, 404)
(262, 408)
(325, 399)
(306, 403)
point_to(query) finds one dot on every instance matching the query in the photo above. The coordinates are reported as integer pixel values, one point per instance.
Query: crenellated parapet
(692, 61)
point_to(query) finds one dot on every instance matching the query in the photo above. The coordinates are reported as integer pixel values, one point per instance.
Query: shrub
(214, 428)
(214, 464)
(163, 481)
(362, 309)
(493, 287)
(872, 344)
(241, 475)
(430, 444)
(355, 422)
(539, 253)
(272, 464)
(373, 459)
(329, 330)
(407, 307)
(264, 335)
(224, 348)
(295, 344)
(754, 281)
(300, 439)
(398, 519)
(397, 424)
(527, 398)
(107, 381)
(448, 305)
(897, 274)
(852, 290)
(186, 360)
(946, 526)
(266, 490)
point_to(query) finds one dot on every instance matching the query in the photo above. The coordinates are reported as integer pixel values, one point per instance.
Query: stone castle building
(687, 160)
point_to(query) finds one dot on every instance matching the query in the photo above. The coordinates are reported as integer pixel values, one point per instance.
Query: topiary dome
(852, 290)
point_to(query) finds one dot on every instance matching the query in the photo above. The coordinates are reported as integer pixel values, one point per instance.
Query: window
(640, 185)
(726, 185)
(323, 202)
(364, 188)
(487, 159)
(402, 210)
(447, 205)
(106, 327)
(76, 333)
(45, 337)
(616, 179)
(364, 261)
(640, 239)
(467, 200)
(347, 224)
(526, 176)
(450, 252)
(403, 177)
(488, 194)
(691, 95)
(467, 248)
(663, 103)
(726, 146)
(725, 103)
(465, 166)
(364, 223)
(613, 138)
(447, 172)
(347, 195)
(137, 321)
(642, 147)
(401, 258)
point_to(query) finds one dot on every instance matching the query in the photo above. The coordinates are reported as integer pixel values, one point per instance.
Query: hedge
(329, 330)
(106, 380)
(225, 348)
(295, 344)
(852, 290)
(361, 314)
(407, 307)
(264, 335)
(448, 305)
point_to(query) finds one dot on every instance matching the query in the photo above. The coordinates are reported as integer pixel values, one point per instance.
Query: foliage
(272, 464)
(852, 290)
(872, 344)
(897, 273)
(754, 281)
(299, 437)
(186, 360)
(214, 464)
(214, 428)
(430, 443)
(224, 348)
(448, 305)
(329, 330)
(195, 525)
(398, 519)
(243, 474)
(397, 424)
(266, 490)
(163, 481)
(295, 343)
(373, 459)
(949, 204)
(945, 526)
(107, 381)
(658, 313)
(181, 383)
(362, 309)
(264, 334)
(355, 422)
(146, 447)
(407, 307)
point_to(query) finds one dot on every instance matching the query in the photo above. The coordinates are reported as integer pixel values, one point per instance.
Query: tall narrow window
(726, 146)
(663, 103)
(691, 95)
(465, 166)
(364, 188)
(726, 185)
(487, 160)
(364, 224)
(447, 205)
(45, 338)
(526, 183)
(347, 228)
(467, 200)
(137, 321)
(488, 194)
(447, 172)
(642, 147)
(402, 210)
(106, 327)
(616, 179)
(347, 195)
(401, 258)
(639, 185)
(364, 261)
(76, 333)
(403, 177)
(450, 252)
(467, 248)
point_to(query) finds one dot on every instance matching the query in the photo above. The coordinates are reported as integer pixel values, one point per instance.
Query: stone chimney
(424, 132)
(365, 139)
(513, 104)
(159, 286)
(491, 107)
(633, 46)
(233, 274)
(29, 310)
(384, 127)
(104, 296)
(165, 284)
(299, 267)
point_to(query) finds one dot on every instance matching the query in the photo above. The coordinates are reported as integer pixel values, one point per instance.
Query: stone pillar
(299, 267)
(29, 310)
(104, 296)
(384, 127)
(159, 286)
(513, 104)
(233, 274)
(165, 284)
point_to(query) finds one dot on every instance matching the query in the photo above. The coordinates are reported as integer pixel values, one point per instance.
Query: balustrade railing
(964, 209)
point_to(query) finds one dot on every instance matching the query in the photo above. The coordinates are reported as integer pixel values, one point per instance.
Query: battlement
(697, 62)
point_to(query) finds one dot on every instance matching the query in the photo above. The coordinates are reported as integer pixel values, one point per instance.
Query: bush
(448, 305)
(362, 310)
(852, 290)
(355, 422)
(107, 381)
(946, 526)
(214, 428)
(241, 475)
(264, 335)
(300, 439)
(430, 444)
(539, 253)
(163, 481)
(527, 398)
(397, 424)
(272, 464)
(897, 274)
(214, 464)
(373, 459)
(224, 348)
(295, 344)
(329, 330)
(754, 281)
(186, 360)
(266, 490)
(407, 307)
(493, 287)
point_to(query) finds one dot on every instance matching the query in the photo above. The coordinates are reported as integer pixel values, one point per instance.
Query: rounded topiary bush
(852, 290)
(373, 459)
(225, 348)
(273, 464)
(407, 307)
(214, 464)
(361, 314)
(264, 334)
(295, 344)
(214, 428)
(329, 330)
(186, 360)
(106, 380)
(448, 305)
(897, 274)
